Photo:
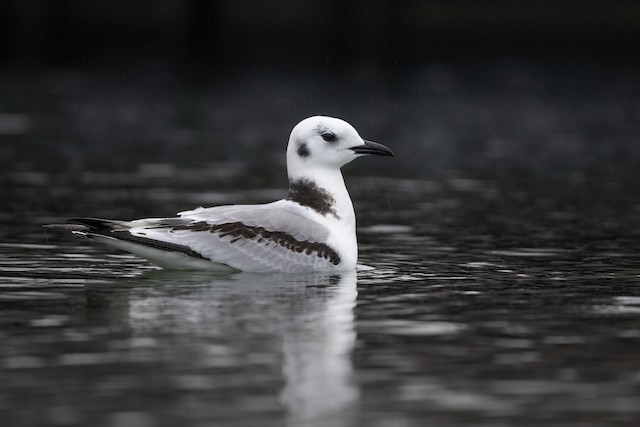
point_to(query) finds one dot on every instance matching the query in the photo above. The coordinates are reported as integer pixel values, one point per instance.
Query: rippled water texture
(491, 293)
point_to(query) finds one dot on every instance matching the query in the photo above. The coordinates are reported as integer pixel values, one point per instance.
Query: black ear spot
(329, 136)
(303, 150)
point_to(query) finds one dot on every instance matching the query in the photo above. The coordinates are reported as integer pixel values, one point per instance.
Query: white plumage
(313, 229)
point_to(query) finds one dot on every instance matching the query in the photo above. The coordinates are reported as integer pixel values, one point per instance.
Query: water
(487, 296)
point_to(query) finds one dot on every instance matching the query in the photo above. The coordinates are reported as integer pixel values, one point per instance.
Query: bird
(312, 229)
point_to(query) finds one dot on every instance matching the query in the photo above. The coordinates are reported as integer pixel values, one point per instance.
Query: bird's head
(321, 142)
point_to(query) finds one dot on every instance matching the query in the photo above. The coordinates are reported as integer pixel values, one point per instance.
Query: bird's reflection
(317, 357)
(296, 331)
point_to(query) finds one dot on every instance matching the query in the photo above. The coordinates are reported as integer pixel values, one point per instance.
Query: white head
(327, 143)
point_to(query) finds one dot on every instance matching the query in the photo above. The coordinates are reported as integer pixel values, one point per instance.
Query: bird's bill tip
(373, 148)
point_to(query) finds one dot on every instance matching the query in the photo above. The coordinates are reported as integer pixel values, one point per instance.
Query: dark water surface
(492, 294)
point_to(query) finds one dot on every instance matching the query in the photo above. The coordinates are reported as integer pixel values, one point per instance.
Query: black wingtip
(83, 224)
(67, 227)
(99, 224)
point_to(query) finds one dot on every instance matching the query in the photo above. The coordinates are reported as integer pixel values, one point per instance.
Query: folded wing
(276, 236)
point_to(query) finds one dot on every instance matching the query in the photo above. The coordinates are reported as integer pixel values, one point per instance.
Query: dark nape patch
(238, 231)
(303, 150)
(307, 193)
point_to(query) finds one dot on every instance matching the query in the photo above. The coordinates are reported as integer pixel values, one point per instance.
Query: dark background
(316, 33)
(477, 88)
(504, 235)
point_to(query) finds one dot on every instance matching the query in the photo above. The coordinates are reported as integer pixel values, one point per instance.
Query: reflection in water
(509, 300)
(221, 329)
(456, 325)
(317, 351)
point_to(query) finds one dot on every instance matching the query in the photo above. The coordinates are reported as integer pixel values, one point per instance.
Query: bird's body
(312, 229)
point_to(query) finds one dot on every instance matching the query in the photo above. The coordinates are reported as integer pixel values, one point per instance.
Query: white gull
(312, 229)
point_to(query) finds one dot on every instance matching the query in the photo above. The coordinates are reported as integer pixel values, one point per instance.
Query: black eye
(329, 137)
